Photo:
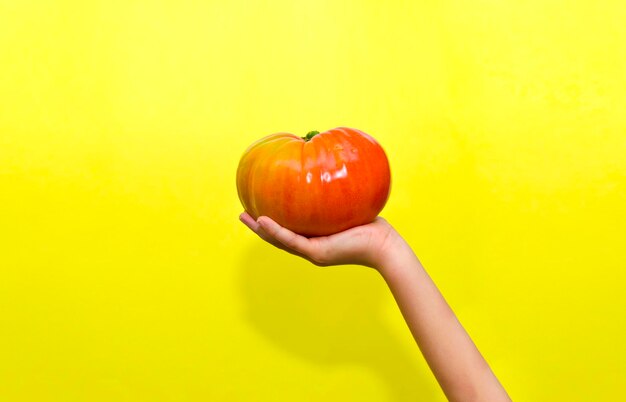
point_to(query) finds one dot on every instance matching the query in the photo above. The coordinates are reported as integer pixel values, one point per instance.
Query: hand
(457, 364)
(363, 245)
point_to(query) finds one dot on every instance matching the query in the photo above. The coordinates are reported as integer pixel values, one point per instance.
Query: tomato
(315, 185)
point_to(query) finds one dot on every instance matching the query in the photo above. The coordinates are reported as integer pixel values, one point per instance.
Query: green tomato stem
(310, 135)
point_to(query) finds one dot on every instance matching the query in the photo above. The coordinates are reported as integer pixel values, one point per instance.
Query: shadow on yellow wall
(330, 317)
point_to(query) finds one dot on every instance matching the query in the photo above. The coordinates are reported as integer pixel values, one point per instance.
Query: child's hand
(457, 364)
(364, 245)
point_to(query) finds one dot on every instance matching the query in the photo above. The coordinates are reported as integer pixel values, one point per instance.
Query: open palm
(363, 245)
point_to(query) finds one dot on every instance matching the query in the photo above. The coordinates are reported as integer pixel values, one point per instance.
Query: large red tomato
(315, 185)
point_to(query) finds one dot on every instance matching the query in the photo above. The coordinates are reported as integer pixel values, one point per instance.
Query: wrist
(395, 255)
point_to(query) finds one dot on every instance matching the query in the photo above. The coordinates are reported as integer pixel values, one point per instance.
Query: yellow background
(125, 274)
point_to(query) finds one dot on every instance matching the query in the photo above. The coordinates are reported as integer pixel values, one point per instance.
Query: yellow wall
(125, 274)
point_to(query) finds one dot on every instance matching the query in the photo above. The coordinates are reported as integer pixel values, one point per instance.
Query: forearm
(449, 351)
(456, 363)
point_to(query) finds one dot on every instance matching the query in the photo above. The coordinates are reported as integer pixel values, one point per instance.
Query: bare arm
(458, 366)
(455, 361)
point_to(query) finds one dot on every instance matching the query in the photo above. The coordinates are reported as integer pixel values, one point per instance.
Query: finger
(249, 221)
(256, 228)
(268, 238)
(299, 244)
(263, 235)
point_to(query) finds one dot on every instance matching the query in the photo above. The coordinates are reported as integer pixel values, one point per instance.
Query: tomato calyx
(310, 135)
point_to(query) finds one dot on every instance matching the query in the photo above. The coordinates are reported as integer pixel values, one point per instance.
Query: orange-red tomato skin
(336, 180)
